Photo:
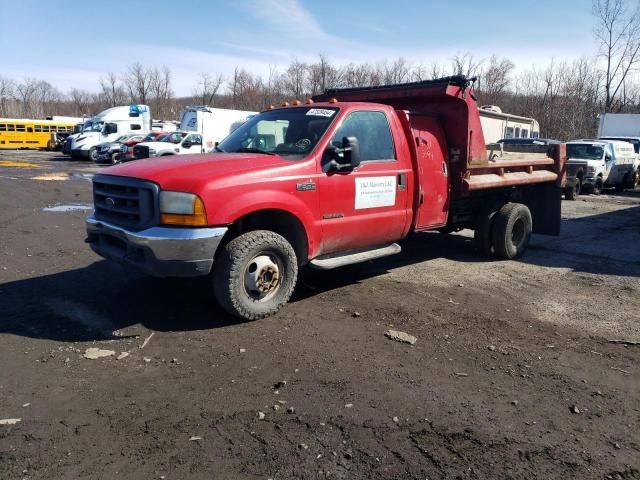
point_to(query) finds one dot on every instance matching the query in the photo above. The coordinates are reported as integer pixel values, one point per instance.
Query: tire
(482, 237)
(93, 154)
(236, 286)
(512, 228)
(114, 160)
(597, 187)
(573, 192)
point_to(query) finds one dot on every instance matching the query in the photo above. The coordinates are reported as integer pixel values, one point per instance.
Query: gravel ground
(513, 374)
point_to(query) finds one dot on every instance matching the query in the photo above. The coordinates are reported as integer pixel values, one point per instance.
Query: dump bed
(451, 101)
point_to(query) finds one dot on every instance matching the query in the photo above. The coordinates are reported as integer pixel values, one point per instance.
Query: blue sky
(72, 46)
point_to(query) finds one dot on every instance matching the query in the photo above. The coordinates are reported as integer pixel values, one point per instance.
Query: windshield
(175, 137)
(585, 151)
(289, 131)
(123, 138)
(94, 127)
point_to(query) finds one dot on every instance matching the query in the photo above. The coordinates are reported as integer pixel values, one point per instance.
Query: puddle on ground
(51, 176)
(70, 207)
(12, 163)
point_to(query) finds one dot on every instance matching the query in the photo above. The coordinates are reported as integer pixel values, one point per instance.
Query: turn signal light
(197, 219)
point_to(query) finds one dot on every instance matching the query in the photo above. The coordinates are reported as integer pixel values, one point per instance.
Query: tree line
(565, 97)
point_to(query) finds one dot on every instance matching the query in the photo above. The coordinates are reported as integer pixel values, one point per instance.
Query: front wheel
(572, 193)
(255, 274)
(512, 230)
(93, 154)
(598, 186)
(114, 159)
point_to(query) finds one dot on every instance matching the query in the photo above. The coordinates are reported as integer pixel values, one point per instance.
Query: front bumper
(77, 152)
(103, 157)
(157, 251)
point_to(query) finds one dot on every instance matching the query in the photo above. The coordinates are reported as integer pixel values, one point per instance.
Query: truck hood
(190, 172)
(88, 138)
(159, 145)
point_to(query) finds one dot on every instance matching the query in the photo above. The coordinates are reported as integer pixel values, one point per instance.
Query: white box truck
(201, 128)
(214, 124)
(108, 125)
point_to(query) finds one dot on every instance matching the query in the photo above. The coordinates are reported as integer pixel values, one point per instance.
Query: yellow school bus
(25, 133)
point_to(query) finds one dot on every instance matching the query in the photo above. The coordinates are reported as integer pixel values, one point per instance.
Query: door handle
(402, 182)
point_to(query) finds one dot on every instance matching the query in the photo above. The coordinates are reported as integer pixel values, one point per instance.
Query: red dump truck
(337, 180)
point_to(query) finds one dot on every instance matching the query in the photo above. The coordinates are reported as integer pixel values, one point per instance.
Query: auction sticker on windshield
(375, 192)
(321, 112)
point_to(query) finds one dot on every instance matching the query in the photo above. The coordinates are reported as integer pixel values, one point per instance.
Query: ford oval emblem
(110, 202)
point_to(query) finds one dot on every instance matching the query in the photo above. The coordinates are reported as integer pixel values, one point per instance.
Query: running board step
(329, 262)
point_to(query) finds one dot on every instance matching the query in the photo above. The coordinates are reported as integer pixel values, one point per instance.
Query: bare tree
(294, 79)
(396, 72)
(618, 32)
(208, 87)
(26, 92)
(322, 75)
(6, 95)
(465, 64)
(138, 83)
(113, 92)
(495, 78)
(81, 99)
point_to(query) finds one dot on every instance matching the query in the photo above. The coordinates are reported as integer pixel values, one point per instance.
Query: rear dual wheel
(504, 232)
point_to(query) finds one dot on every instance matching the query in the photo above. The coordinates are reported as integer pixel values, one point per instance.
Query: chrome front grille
(126, 202)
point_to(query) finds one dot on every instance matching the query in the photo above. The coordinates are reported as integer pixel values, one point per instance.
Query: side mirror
(607, 158)
(347, 157)
(186, 144)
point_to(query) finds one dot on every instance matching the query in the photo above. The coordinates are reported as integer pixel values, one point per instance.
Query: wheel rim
(518, 232)
(263, 276)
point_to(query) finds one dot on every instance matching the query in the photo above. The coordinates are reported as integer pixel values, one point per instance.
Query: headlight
(180, 208)
(152, 151)
(123, 148)
(591, 171)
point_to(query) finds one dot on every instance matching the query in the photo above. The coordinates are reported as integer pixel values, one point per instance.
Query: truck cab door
(433, 172)
(366, 206)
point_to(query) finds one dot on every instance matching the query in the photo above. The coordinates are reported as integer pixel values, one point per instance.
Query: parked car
(108, 152)
(327, 184)
(175, 143)
(593, 165)
(126, 150)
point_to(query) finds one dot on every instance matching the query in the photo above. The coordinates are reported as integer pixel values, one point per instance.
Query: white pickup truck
(175, 143)
(593, 165)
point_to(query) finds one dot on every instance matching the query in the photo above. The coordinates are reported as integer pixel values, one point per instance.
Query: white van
(109, 125)
(593, 165)
(635, 141)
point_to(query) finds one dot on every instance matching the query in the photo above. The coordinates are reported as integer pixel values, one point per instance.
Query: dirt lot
(513, 374)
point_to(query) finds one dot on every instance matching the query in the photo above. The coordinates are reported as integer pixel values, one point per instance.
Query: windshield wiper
(253, 150)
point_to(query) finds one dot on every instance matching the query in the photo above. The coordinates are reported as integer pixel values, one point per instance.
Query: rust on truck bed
(510, 168)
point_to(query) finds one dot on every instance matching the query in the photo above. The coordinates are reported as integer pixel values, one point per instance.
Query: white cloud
(287, 17)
